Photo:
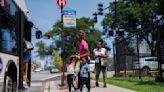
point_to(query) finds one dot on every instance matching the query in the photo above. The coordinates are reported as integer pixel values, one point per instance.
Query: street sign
(61, 3)
(69, 18)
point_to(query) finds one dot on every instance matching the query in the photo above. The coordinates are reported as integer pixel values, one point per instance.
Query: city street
(42, 39)
(42, 76)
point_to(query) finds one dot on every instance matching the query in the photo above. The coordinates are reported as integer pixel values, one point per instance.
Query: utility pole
(115, 3)
(115, 26)
(61, 4)
(138, 57)
(63, 50)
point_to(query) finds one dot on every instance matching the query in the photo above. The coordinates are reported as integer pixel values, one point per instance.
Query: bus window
(7, 28)
(11, 7)
(7, 40)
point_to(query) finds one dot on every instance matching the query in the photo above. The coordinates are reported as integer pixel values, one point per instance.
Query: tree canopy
(41, 51)
(137, 15)
(86, 24)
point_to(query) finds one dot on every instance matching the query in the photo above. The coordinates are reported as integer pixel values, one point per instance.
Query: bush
(58, 60)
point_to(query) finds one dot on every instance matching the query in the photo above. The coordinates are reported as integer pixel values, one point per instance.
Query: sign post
(62, 4)
(69, 18)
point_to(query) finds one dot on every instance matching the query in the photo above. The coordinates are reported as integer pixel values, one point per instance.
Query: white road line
(48, 78)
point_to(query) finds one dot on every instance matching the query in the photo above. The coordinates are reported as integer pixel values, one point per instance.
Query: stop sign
(61, 3)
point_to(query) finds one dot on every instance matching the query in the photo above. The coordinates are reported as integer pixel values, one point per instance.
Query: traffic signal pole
(62, 37)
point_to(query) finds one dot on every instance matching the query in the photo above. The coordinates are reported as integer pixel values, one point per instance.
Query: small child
(70, 68)
(85, 75)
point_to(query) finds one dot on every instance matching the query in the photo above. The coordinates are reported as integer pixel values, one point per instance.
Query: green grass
(146, 84)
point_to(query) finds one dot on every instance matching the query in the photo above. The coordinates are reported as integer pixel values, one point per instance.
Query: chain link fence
(132, 57)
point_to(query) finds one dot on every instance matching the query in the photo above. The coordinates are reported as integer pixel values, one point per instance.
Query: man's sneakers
(97, 84)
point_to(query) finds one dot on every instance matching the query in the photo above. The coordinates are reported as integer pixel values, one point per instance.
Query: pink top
(83, 46)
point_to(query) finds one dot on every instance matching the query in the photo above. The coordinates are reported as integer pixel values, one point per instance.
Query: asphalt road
(42, 76)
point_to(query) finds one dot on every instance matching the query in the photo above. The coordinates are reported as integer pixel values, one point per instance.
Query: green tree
(58, 60)
(134, 15)
(83, 23)
(41, 52)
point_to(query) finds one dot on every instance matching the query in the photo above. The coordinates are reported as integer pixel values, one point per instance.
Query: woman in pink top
(83, 47)
(83, 51)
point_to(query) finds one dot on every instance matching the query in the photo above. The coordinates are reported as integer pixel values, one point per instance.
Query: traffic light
(120, 33)
(110, 33)
(38, 34)
(100, 9)
(95, 17)
(48, 35)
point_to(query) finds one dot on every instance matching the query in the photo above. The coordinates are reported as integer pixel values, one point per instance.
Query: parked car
(47, 68)
(54, 70)
(38, 70)
(147, 64)
(92, 65)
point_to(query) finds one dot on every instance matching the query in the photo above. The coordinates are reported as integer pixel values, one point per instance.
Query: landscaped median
(146, 84)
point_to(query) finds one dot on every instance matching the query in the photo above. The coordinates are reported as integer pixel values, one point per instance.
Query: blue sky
(44, 13)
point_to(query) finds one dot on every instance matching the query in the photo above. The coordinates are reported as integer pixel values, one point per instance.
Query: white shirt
(70, 68)
(101, 51)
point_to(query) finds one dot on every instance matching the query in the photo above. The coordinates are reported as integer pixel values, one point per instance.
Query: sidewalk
(36, 87)
(52, 86)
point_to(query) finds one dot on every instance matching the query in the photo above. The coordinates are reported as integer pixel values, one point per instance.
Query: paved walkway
(36, 87)
(53, 86)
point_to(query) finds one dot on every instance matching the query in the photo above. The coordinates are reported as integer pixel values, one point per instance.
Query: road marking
(55, 77)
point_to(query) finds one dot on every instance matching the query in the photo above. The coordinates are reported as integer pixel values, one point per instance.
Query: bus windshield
(7, 28)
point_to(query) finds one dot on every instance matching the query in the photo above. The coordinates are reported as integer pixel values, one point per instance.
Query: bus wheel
(10, 85)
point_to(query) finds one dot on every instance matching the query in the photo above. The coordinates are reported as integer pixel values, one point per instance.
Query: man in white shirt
(100, 55)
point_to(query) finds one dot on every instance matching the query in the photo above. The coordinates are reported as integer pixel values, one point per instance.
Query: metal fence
(127, 53)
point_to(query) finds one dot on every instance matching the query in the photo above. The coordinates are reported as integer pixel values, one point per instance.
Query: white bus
(15, 37)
